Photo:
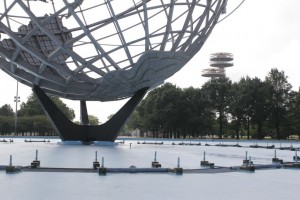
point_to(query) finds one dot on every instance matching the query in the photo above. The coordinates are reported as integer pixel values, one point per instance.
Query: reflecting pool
(262, 184)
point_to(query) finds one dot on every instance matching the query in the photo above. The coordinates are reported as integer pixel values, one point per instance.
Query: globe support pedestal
(69, 131)
(84, 118)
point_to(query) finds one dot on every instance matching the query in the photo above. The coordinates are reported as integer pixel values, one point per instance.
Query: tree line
(31, 119)
(249, 108)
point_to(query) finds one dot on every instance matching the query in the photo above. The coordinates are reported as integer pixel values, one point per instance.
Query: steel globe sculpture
(101, 50)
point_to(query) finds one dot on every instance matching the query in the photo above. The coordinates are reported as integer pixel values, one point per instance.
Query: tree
(247, 92)
(219, 93)
(170, 112)
(93, 120)
(159, 110)
(237, 106)
(294, 112)
(69, 112)
(6, 119)
(195, 113)
(6, 110)
(279, 99)
(32, 107)
(41, 124)
(6, 124)
(259, 104)
(289, 124)
(32, 118)
(167, 109)
(145, 111)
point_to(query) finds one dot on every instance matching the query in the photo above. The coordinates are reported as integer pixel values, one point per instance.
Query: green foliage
(110, 116)
(34, 124)
(218, 91)
(249, 106)
(93, 120)
(6, 110)
(32, 107)
(252, 106)
(237, 107)
(172, 112)
(280, 95)
(294, 112)
(259, 95)
(31, 117)
(6, 124)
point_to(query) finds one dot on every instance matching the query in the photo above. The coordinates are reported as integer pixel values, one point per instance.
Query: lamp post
(16, 99)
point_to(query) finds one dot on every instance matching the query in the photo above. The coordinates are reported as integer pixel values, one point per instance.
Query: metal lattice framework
(105, 49)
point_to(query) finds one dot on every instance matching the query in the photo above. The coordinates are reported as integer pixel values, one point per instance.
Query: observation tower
(218, 63)
(102, 50)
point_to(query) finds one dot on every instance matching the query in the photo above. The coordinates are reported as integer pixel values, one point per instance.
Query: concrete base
(292, 165)
(178, 171)
(12, 169)
(74, 143)
(102, 171)
(250, 168)
(105, 143)
(95, 143)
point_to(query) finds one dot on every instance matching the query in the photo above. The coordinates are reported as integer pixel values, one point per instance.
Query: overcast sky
(261, 34)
